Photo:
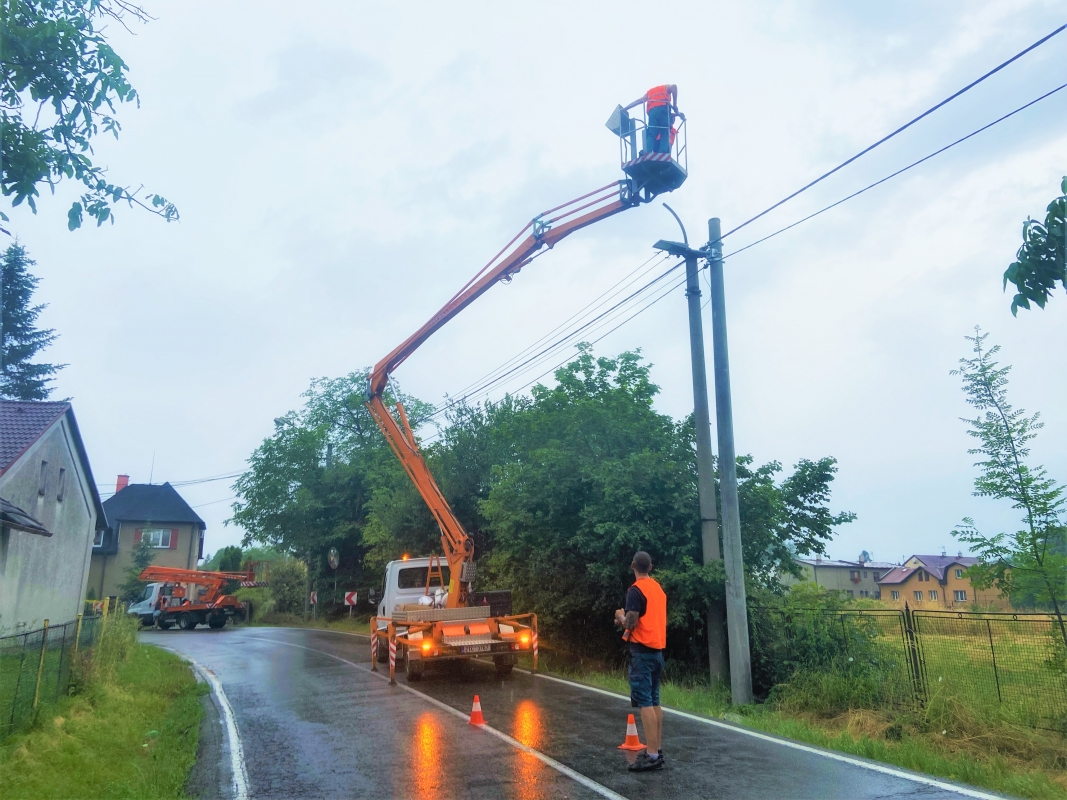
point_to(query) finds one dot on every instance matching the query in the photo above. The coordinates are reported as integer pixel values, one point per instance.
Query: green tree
(141, 556)
(20, 338)
(286, 584)
(230, 559)
(61, 83)
(1041, 262)
(1032, 561)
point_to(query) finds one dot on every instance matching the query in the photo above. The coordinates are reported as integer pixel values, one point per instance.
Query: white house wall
(44, 577)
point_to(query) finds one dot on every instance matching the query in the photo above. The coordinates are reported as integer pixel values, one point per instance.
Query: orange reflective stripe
(657, 96)
(651, 630)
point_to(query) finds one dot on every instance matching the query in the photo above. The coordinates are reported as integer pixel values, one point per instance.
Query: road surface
(308, 719)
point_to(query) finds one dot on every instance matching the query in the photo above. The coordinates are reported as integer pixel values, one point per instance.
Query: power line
(900, 171)
(213, 502)
(902, 128)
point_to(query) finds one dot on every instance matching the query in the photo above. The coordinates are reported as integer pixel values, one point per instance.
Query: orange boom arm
(539, 235)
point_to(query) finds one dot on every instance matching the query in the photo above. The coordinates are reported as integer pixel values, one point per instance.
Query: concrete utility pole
(709, 533)
(736, 609)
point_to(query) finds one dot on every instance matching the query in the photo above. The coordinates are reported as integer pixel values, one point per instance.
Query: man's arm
(631, 620)
(636, 102)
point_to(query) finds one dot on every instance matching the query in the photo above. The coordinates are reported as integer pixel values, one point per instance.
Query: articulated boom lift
(648, 174)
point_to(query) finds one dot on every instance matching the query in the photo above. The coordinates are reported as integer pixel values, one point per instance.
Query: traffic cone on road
(633, 742)
(476, 712)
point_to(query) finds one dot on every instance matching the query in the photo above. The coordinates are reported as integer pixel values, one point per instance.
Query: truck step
(442, 614)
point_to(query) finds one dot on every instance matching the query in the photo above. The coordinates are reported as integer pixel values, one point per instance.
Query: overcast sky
(341, 171)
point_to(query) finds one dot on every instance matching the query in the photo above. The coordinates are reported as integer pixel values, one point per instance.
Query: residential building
(937, 583)
(148, 511)
(50, 512)
(852, 578)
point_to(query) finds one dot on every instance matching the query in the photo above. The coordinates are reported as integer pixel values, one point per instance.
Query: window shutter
(137, 536)
(173, 538)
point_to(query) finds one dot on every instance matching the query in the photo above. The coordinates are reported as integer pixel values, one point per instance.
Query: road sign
(314, 598)
(350, 598)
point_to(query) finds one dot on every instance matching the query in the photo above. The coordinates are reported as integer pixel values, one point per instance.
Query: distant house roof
(935, 565)
(149, 502)
(829, 562)
(11, 516)
(23, 422)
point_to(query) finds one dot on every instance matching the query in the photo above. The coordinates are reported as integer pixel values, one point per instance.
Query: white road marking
(578, 777)
(233, 737)
(857, 762)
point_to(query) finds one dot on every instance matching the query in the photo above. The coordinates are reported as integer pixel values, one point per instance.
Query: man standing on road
(645, 621)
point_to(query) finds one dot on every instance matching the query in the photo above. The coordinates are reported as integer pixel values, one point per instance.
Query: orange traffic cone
(633, 742)
(476, 712)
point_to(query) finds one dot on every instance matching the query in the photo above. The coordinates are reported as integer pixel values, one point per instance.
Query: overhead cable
(902, 128)
(899, 171)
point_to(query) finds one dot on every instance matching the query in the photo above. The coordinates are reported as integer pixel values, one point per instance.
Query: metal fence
(1015, 663)
(35, 668)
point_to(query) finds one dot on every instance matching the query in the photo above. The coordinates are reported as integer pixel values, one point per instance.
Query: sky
(342, 171)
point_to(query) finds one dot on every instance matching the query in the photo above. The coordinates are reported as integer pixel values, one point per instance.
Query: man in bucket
(645, 622)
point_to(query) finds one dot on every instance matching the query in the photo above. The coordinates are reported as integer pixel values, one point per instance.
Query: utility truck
(429, 611)
(190, 597)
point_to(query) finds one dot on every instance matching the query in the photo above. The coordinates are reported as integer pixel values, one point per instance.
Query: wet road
(315, 722)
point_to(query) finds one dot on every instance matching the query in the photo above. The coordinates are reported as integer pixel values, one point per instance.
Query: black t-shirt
(636, 601)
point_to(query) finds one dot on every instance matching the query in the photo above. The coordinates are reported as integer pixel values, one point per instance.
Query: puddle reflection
(427, 756)
(530, 772)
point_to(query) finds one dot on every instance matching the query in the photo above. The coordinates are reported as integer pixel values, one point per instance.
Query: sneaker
(645, 764)
(662, 759)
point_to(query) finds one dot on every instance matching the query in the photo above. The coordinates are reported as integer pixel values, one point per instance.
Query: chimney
(818, 558)
(959, 554)
(121, 483)
(943, 553)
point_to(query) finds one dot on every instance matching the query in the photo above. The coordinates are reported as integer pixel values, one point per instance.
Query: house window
(960, 595)
(876, 575)
(853, 575)
(160, 537)
(918, 597)
(864, 573)
(877, 595)
(42, 480)
(851, 593)
(895, 594)
(98, 540)
(959, 574)
(62, 485)
(864, 593)
(933, 594)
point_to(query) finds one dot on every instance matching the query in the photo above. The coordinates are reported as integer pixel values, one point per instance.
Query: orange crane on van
(449, 627)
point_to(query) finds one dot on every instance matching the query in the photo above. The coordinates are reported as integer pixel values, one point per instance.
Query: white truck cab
(405, 582)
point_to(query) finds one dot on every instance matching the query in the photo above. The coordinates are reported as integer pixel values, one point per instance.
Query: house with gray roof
(152, 512)
(50, 512)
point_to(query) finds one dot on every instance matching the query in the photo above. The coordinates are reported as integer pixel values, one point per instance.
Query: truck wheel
(217, 622)
(383, 651)
(414, 669)
(165, 626)
(504, 665)
(186, 621)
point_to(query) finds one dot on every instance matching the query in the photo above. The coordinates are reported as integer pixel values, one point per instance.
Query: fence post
(59, 667)
(40, 666)
(77, 635)
(913, 653)
(996, 675)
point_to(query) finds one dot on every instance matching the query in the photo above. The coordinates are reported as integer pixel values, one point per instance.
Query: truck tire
(217, 622)
(383, 651)
(186, 621)
(165, 625)
(504, 665)
(414, 669)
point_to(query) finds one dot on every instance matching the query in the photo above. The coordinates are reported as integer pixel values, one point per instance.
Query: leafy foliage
(1032, 561)
(230, 559)
(141, 556)
(1041, 262)
(61, 83)
(20, 338)
(287, 581)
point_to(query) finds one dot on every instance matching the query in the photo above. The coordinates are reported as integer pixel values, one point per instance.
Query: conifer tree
(20, 339)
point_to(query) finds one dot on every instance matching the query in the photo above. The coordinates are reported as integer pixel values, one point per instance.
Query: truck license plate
(476, 648)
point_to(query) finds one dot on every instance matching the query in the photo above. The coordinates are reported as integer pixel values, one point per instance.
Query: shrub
(288, 582)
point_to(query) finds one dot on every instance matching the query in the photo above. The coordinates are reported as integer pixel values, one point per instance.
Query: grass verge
(130, 731)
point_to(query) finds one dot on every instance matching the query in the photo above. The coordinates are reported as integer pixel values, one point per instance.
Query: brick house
(937, 583)
(50, 512)
(144, 511)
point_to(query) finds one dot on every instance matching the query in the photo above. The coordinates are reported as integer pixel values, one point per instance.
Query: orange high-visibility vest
(657, 96)
(651, 630)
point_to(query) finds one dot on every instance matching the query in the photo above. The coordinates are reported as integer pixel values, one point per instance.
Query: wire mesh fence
(872, 649)
(1016, 661)
(1015, 664)
(35, 668)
